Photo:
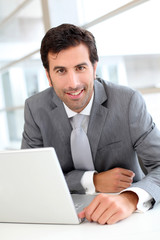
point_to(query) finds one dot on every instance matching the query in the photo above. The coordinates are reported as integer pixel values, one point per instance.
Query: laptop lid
(33, 188)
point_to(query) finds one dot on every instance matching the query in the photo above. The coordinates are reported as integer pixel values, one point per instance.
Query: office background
(128, 41)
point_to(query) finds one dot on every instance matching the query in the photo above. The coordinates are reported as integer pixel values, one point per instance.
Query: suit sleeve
(73, 179)
(146, 142)
(31, 135)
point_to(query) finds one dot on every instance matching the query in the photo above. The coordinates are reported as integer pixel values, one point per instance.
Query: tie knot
(77, 120)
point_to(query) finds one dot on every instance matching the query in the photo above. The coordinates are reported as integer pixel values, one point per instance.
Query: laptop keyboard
(81, 201)
(79, 206)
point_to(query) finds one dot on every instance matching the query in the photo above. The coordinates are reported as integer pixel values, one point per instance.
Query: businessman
(116, 123)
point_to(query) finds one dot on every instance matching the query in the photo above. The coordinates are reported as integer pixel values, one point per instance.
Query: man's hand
(109, 209)
(114, 180)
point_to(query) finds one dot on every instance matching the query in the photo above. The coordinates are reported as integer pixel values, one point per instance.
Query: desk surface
(137, 226)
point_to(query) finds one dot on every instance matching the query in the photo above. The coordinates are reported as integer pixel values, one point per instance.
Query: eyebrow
(57, 67)
(78, 65)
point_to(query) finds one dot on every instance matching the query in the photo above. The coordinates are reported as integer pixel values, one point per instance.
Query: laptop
(33, 189)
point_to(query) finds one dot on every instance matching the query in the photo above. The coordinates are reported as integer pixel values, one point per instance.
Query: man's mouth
(77, 93)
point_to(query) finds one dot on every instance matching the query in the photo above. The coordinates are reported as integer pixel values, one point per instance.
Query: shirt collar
(85, 111)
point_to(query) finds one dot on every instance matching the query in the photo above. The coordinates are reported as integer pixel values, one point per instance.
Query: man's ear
(49, 79)
(94, 69)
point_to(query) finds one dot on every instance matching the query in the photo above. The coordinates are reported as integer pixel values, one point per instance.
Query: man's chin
(75, 108)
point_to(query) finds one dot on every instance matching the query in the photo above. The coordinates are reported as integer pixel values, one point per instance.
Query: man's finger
(81, 214)
(90, 209)
(124, 178)
(127, 172)
(107, 215)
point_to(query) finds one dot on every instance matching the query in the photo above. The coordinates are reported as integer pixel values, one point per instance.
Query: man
(117, 123)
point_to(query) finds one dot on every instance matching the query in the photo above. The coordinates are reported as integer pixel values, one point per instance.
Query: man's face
(72, 76)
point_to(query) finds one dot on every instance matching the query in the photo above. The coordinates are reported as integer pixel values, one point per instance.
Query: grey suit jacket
(119, 129)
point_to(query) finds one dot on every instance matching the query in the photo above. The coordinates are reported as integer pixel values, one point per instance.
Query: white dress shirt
(145, 199)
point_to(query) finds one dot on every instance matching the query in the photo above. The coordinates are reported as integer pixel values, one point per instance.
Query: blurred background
(128, 42)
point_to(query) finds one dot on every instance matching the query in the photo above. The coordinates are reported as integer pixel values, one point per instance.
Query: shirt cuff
(87, 182)
(145, 199)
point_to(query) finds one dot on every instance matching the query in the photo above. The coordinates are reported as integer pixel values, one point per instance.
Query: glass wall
(127, 39)
(129, 49)
(21, 30)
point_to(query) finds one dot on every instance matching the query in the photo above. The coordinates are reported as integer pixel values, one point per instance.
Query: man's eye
(81, 68)
(60, 71)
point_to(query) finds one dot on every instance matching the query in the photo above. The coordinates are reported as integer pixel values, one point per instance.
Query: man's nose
(72, 80)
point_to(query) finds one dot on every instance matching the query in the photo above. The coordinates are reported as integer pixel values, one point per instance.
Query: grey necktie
(80, 147)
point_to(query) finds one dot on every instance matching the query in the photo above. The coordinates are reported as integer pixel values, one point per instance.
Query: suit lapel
(97, 117)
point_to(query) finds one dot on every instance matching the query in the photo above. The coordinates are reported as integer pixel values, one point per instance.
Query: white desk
(138, 226)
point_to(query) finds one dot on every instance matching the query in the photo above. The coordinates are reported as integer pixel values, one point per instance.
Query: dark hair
(65, 36)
